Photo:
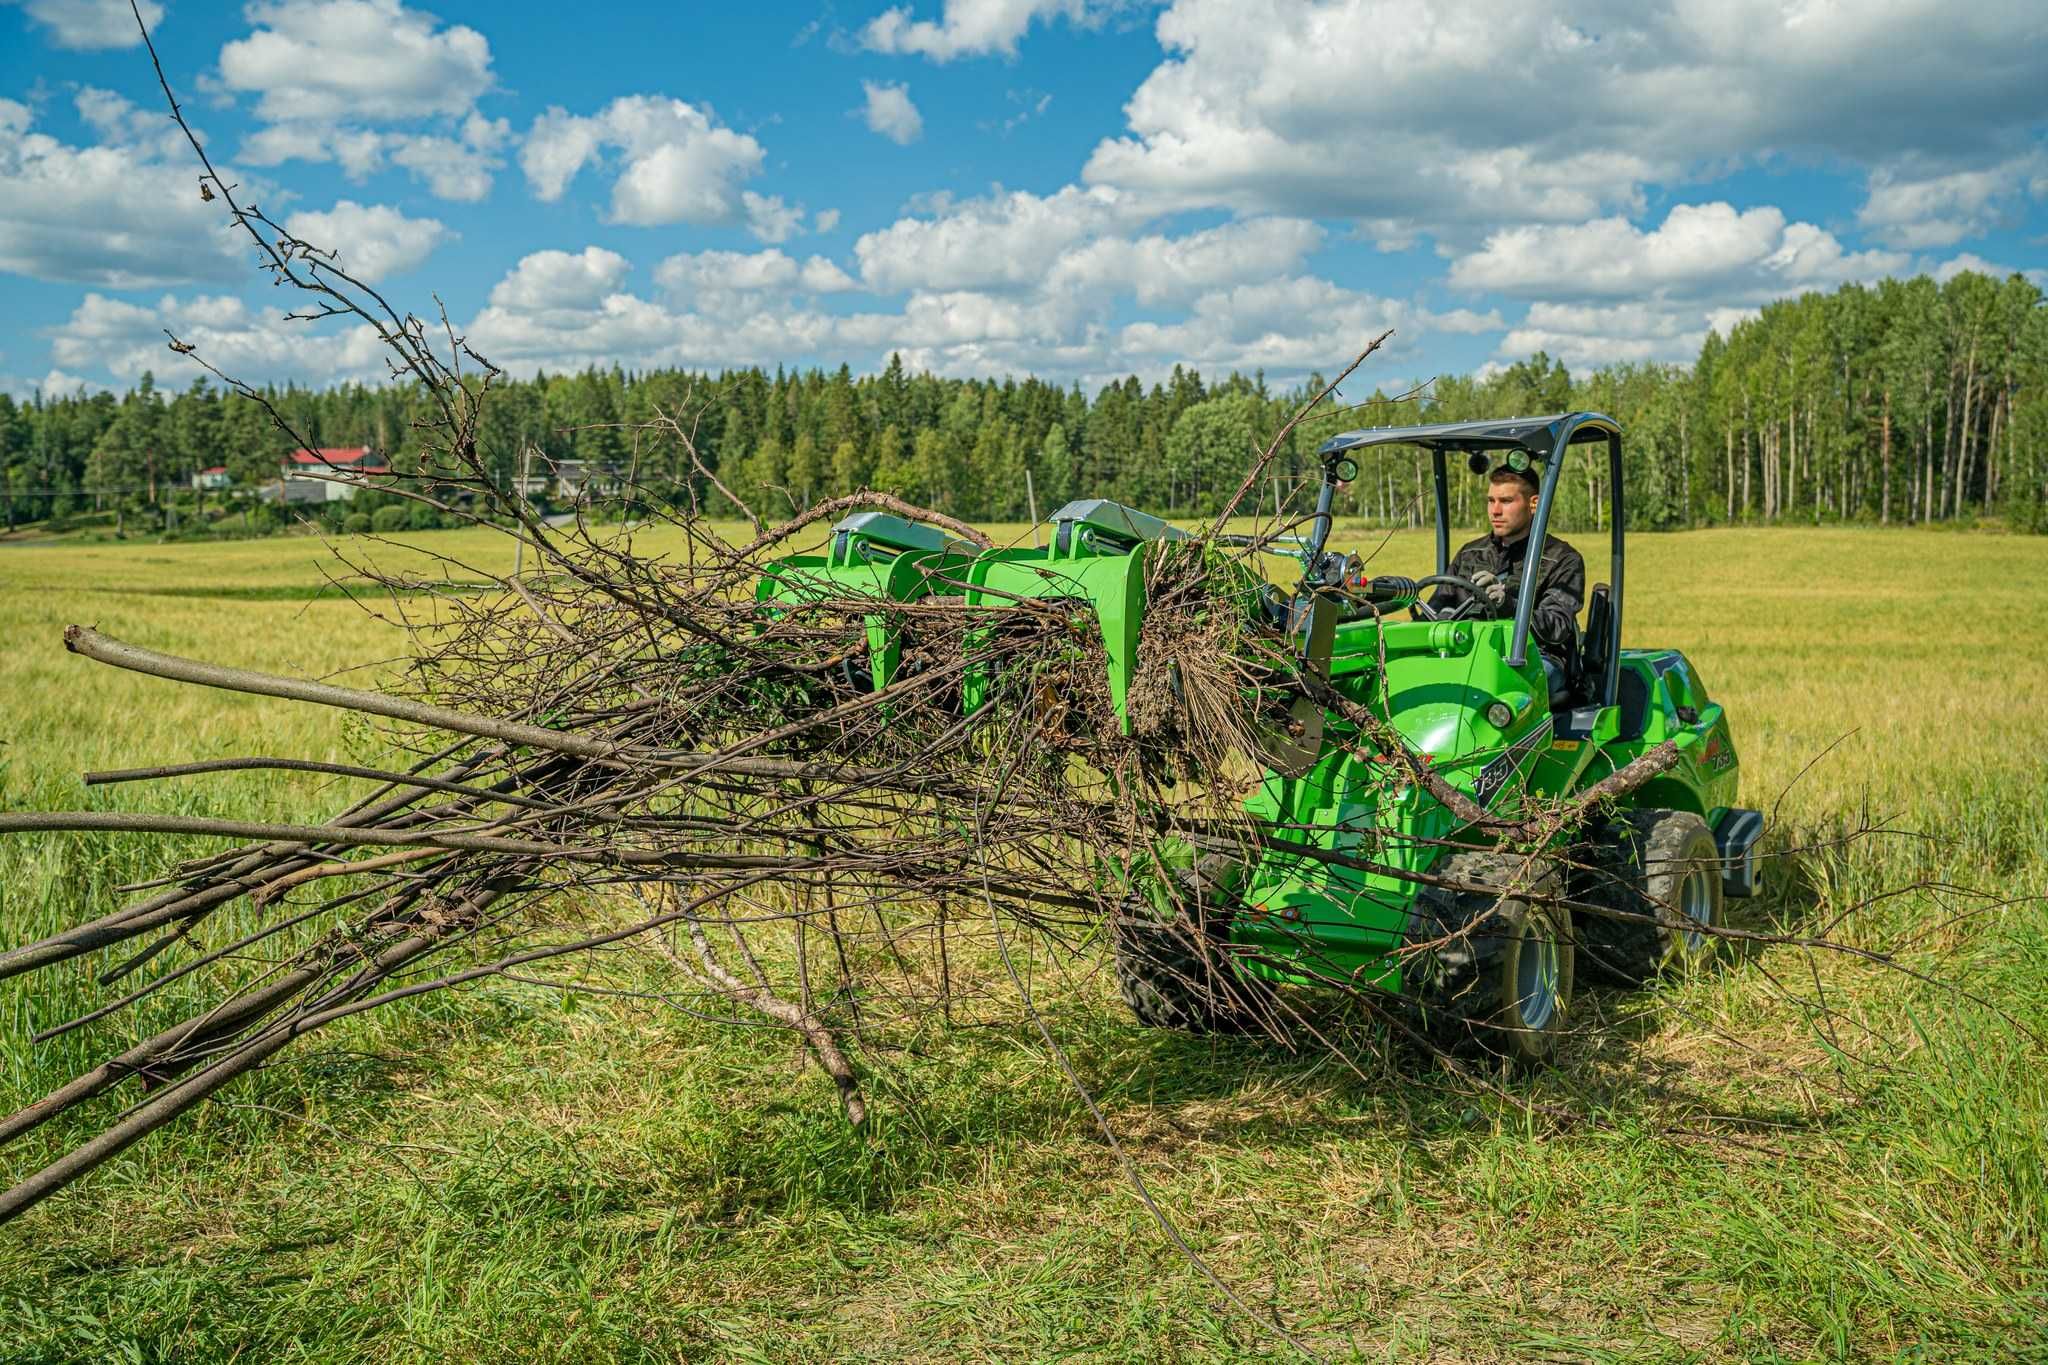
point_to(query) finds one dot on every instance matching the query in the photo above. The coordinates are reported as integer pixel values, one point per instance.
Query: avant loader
(1436, 877)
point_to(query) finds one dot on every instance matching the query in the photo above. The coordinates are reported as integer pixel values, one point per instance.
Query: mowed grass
(515, 1173)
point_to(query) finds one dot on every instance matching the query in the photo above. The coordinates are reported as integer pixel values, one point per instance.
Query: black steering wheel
(1475, 598)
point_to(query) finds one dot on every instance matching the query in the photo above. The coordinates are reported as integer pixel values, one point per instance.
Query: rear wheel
(1506, 968)
(1663, 866)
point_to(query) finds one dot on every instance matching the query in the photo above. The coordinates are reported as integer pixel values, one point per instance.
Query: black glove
(1491, 588)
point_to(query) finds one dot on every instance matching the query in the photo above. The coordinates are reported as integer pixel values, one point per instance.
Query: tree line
(1905, 402)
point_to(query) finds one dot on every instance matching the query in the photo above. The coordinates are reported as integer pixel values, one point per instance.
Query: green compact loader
(1361, 876)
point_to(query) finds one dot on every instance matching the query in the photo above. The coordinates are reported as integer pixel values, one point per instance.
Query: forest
(1905, 402)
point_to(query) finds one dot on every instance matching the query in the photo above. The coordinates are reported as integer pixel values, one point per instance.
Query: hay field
(516, 1174)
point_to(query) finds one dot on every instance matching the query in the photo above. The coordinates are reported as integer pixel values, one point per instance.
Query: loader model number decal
(1494, 776)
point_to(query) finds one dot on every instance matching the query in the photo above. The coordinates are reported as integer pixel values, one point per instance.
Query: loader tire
(1662, 865)
(1169, 979)
(1504, 976)
(1179, 973)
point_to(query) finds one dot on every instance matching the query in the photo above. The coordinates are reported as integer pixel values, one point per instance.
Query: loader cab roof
(1536, 435)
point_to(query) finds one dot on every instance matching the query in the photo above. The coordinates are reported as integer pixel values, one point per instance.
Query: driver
(1494, 564)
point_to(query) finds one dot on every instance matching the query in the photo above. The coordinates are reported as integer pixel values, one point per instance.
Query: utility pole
(519, 543)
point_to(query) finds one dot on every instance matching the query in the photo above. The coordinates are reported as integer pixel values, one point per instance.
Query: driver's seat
(1591, 665)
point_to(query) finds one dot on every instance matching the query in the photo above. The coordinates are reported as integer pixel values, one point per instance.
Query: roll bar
(1544, 439)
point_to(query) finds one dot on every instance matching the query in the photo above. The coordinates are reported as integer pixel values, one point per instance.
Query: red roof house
(327, 474)
(351, 459)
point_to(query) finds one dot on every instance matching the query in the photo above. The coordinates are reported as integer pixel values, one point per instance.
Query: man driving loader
(1494, 563)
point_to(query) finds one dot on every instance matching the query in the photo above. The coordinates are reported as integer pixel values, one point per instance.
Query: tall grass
(525, 1174)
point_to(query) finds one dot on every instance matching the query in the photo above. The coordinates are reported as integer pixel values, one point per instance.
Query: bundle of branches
(643, 749)
(622, 724)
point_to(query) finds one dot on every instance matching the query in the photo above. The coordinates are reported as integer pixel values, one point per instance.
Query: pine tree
(850, 468)
(763, 478)
(807, 470)
(895, 471)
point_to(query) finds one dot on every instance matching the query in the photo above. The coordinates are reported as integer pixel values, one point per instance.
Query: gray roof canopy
(1537, 435)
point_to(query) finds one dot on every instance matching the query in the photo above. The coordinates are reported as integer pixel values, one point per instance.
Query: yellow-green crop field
(521, 1174)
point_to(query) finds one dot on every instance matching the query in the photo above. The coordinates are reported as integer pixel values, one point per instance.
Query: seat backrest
(1634, 700)
(1592, 661)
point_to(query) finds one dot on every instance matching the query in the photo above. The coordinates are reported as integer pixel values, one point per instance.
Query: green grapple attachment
(1097, 561)
(873, 555)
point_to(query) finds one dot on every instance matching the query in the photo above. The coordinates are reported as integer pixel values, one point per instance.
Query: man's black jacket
(1560, 588)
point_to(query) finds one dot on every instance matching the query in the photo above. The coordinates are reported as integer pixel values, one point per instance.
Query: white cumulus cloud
(459, 166)
(364, 82)
(1607, 291)
(1971, 261)
(127, 338)
(1592, 335)
(1287, 327)
(1698, 247)
(90, 25)
(1006, 240)
(1919, 211)
(371, 241)
(116, 216)
(554, 280)
(1233, 296)
(890, 112)
(1158, 269)
(724, 283)
(1412, 116)
(769, 218)
(972, 28)
(362, 61)
(677, 164)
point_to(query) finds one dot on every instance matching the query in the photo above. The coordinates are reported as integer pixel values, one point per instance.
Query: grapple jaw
(1100, 561)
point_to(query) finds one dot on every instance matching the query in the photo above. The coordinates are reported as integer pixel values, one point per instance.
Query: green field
(515, 1173)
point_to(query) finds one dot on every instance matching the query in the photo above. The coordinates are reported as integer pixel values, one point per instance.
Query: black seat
(1633, 697)
(1632, 690)
(1591, 670)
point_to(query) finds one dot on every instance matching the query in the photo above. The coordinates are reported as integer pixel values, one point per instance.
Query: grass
(519, 1174)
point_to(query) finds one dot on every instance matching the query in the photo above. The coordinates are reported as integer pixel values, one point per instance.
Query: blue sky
(1079, 189)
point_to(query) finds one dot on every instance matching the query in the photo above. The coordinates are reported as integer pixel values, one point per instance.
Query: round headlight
(1500, 715)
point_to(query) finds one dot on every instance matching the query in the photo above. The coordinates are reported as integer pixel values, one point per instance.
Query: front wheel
(1533, 987)
(1180, 974)
(1506, 960)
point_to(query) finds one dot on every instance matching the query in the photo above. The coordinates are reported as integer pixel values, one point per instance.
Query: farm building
(581, 479)
(328, 474)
